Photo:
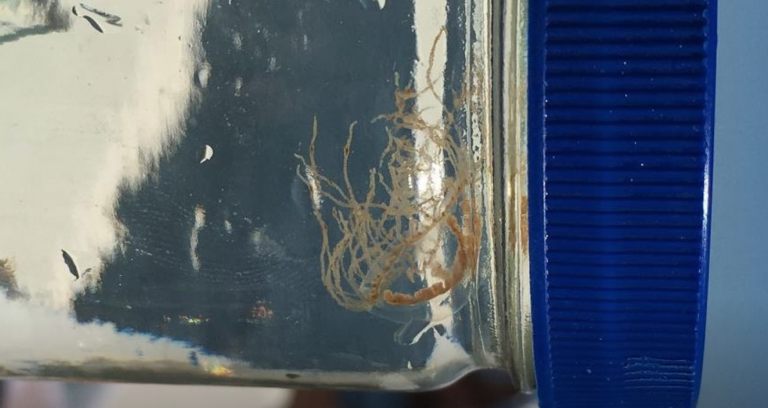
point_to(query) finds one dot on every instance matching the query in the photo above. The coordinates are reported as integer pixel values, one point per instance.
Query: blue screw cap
(621, 108)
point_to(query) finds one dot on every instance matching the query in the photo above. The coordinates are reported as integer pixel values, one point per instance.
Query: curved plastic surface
(620, 147)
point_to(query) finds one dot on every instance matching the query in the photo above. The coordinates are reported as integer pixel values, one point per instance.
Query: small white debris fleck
(238, 85)
(204, 74)
(207, 155)
(193, 238)
(237, 41)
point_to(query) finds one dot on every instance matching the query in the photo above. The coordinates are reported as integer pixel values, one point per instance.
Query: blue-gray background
(736, 362)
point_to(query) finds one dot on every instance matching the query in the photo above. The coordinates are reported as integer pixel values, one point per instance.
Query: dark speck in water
(193, 359)
(93, 24)
(70, 264)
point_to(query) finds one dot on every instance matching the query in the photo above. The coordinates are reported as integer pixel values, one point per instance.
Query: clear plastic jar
(259, 192)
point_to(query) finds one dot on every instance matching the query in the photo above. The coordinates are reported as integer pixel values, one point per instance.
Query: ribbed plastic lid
(621, 107)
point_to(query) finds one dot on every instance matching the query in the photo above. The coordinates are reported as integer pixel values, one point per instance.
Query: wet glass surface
(164, 205)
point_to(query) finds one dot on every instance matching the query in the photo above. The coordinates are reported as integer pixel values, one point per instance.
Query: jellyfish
(395, 246)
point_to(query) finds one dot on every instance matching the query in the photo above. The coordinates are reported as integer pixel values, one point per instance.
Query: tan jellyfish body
(391, 244)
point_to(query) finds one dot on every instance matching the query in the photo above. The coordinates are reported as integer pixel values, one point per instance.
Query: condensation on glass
(261, 192)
